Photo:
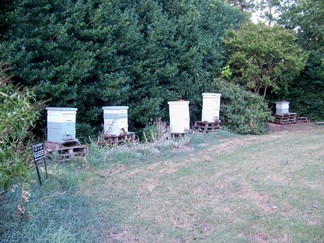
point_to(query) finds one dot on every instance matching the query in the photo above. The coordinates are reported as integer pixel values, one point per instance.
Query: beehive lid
(61, 109)
(178, 102)
(211, 94)
(282, 102)
(115, 107)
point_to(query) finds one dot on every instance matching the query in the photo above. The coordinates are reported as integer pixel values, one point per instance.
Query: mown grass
(206, 188)
(59, 211)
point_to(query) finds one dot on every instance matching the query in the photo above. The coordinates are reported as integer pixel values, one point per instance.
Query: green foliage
(307, 91)
(263, 58)
(306, 18)
(268, 10)
(306, 94)
(89, 54)
(226, 72)
(243, 5)
(17, 115)
(242, 111)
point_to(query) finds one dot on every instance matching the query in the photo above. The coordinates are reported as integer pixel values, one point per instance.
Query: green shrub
(242, 111)
(17, 115)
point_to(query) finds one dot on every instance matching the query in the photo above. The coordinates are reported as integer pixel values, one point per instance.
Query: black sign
(39, 153)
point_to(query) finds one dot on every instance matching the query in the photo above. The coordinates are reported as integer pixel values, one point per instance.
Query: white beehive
(282, 107)
(115, 119)
(179, 116)
(211, 107)
(60, 124)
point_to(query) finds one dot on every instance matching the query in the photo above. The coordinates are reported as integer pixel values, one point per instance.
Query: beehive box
(282, 107)
(179, 116)
(60, 124)
(211, 107)
(115, 120)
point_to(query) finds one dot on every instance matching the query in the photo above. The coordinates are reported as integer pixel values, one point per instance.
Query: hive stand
(65, 151)
(112, 139)
(287, 118)
(205, 126)
(302, 119)
(178, 134)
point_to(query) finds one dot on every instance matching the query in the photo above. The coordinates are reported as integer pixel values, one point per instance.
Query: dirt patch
(299, 126)
(149, 185)
(112, 171)
(123, 235)
(183, 149)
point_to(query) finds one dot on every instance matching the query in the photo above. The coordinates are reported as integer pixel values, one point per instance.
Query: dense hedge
(89, 54)
(143, 53)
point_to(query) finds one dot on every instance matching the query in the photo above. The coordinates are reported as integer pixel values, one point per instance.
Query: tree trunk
(265, 91)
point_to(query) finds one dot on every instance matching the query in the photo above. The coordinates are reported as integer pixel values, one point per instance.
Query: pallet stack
(112, 139)
(210, 121)
(65, 151)
(115, 126)
(286, 118)
(205, 126)
(302, 119)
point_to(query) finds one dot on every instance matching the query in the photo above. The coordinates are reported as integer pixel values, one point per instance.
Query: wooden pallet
(205, 126)
(287, 118)
(113, 139)
(61, 152)
(67, 153)
(302, 119)
(178, 134)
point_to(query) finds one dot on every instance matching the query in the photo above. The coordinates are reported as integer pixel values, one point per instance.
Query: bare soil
(291, 127)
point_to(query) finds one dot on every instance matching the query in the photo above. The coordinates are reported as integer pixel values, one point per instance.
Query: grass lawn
(205, 188)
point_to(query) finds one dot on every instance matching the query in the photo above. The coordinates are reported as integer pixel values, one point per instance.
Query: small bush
(156, 130)
(242, 111)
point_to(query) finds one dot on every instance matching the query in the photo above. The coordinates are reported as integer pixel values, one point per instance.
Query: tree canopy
(306, 18)
(263, 57)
